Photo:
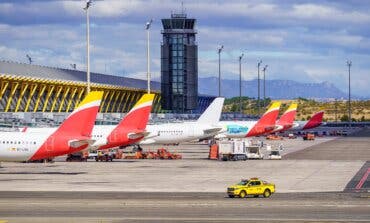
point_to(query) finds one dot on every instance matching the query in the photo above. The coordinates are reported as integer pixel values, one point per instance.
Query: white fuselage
(298, 125)
(99, 133)
(173, 133)
(235, 129)
(169, 133)
(19, 146)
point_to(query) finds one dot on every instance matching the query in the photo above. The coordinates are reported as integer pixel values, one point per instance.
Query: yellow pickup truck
(253, 186)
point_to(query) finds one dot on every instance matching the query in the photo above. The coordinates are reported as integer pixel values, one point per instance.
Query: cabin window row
(173, 131)
(18, 142)
(97, 136)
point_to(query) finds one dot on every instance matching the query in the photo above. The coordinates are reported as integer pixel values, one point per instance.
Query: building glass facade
(179, 67)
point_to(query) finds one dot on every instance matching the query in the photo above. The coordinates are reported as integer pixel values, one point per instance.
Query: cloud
(307, 41)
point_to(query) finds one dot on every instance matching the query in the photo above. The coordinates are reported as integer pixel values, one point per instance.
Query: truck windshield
(243, 182)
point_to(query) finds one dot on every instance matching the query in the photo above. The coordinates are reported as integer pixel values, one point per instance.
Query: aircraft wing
(136, 135)
(212, 131)
(270, 127)
(76, 143)
(278, 128)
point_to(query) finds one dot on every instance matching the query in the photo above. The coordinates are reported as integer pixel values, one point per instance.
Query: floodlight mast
(240, 83)
(264, 85)
(258, 83)
(29, 59)
(88, 4)
(219, 69)
(147, 27)
(349, 64)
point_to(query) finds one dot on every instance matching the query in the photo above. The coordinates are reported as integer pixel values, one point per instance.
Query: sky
(305, 41)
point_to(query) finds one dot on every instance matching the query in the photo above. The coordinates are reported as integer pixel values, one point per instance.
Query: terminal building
(179, 64)
(34, 88)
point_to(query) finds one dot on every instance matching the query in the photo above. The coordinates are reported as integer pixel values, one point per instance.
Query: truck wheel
(242, 194)
(267, 193)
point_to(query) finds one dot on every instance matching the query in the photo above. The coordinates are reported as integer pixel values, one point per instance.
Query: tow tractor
(103, 156)
(274, 152)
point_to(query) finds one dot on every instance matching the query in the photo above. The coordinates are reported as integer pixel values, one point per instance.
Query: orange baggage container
(213, 152)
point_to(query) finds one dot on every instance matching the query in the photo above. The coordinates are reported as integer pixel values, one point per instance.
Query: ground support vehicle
(274, 137)
(254, 152)
(78, 157)
(103, 156)
(251, 187)
(309, 136)
(232, 150)
(274, 153)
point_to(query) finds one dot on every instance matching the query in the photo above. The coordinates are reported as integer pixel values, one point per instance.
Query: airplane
(286, 120)
(73, 135)
(173, 133)
(242, 129)
(130, 129)
(315, 121)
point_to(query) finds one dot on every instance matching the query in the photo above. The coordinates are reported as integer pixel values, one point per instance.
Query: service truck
(232, 150)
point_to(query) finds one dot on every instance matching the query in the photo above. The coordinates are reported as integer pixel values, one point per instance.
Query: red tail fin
(81, 121)
(287, 119)
(267, 122)
(136, 119)
(315, 121)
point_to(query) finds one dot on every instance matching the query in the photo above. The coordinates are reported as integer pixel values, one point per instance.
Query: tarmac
(320, 180)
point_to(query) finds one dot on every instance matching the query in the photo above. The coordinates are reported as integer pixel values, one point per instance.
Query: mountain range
(275, 89)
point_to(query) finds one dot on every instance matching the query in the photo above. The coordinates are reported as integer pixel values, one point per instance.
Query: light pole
(335, 106)
(88, 4)
(264, 85)
(258, 83)
(219, 69)
(29, 58)
(147, 27)
(349, 64)
(240, 83)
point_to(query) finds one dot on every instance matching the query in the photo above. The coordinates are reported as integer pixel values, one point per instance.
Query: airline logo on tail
(286, 120)
(74, 134)
(267, 122)
(132, 127)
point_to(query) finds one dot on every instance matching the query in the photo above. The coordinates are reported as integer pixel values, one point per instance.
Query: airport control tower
(179, 64)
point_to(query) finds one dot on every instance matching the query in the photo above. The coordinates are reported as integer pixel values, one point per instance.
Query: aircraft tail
(267, 122)
(81, 121)
(315, 121)
(138, 116)
(212, 114)
(288, 117)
